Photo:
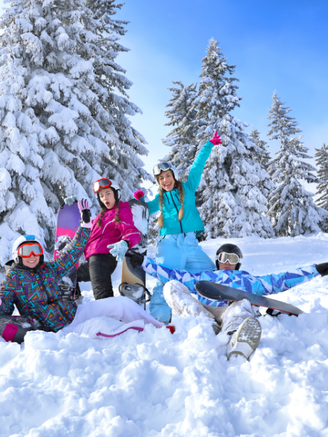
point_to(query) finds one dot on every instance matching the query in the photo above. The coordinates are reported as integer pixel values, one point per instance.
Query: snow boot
(244, 341)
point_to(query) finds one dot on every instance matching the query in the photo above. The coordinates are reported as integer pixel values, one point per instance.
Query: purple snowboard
(68, 221)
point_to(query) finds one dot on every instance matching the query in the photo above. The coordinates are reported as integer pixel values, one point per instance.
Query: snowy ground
(155, 384)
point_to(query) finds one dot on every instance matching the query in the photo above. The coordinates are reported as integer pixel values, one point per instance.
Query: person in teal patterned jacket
(239, 319)
(31, 285)
(179, 223)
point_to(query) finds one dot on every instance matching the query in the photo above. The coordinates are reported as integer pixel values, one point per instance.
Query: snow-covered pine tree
(63, 112)
(291, 207)
(322, 165)
(261, 155)
(182, 138)
(230, 198)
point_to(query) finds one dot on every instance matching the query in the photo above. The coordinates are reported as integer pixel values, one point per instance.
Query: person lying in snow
(31, 285)
(237, 319)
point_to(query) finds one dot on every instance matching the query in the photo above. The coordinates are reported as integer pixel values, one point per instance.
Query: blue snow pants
(179, 251)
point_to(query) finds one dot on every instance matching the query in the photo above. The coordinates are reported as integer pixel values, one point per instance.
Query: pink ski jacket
(111, 232)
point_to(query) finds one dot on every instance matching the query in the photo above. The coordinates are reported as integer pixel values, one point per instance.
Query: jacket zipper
(177, 212)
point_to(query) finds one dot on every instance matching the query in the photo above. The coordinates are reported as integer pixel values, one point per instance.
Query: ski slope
(156, 384)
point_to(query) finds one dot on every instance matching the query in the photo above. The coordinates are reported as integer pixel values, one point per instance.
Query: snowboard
(133, 282)
(214, 291)
(68, 221)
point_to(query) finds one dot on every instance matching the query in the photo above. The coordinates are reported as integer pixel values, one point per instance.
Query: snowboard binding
(137, 292)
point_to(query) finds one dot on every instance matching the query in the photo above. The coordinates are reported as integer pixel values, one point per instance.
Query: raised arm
(153, 205)
(70, 255)
(200, 161)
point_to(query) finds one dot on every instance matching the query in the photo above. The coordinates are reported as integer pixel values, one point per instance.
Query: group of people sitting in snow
(31, 284)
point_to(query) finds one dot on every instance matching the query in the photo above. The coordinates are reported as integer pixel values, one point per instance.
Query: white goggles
(162, 166)
(231, 258)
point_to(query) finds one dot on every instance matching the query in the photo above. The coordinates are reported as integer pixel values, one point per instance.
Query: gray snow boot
(244, 341)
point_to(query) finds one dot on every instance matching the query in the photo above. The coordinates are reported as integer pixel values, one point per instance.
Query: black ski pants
(98, 270)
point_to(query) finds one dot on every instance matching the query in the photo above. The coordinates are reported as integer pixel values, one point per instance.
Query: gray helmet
(164, 166)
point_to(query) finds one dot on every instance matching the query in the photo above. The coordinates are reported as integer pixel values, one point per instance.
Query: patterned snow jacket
(35, 291)
(191, 221)
(111, 232)
(261, 285)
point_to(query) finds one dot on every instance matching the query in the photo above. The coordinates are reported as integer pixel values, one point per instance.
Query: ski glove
(83, 206)
(118, 249)
(216, 140)
(322, 269)
(70, 200)
(136, 259)
(139, 195)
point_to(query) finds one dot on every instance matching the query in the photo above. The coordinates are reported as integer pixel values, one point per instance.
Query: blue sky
(276, 45)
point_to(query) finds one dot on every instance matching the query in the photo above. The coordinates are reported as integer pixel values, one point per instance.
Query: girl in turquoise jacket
(179, 224)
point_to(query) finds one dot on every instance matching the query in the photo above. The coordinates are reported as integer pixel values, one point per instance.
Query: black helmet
(229, 248)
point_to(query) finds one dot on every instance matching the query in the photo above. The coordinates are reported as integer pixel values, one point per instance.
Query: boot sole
(247, 339)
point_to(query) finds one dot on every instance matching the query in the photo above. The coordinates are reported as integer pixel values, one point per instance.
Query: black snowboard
(133, 283)
(214, 291)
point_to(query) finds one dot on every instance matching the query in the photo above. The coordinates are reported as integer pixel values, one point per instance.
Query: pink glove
(83, 204)
(216, 140)
(139, 194)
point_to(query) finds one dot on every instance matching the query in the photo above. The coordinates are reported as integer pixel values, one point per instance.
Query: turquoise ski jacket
(191, 221)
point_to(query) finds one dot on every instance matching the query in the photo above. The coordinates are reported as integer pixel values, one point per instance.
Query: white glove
(118, 250)
(70, 200)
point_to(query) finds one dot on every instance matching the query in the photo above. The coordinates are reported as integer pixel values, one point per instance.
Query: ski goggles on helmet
(27, 249)
(232, 258)
(101, 183)
(162, 166)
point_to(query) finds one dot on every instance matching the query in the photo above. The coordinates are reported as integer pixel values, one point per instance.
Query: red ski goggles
(101, 183)
(27, 249)
(231, 258)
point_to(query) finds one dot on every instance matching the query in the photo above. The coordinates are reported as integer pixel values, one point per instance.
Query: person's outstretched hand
(70, 200)
(139, 195)
(216, 140)
(118, 250)
(322, 269)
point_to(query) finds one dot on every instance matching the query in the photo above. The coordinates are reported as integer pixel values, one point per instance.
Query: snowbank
(157, 384)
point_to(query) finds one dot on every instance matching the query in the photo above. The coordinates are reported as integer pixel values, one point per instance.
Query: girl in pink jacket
(113, 233)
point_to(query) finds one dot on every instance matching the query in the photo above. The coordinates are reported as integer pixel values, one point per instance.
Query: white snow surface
(153, 384)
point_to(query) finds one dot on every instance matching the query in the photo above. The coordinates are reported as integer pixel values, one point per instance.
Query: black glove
(83, 206)
(135, 258)
(322, 269)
